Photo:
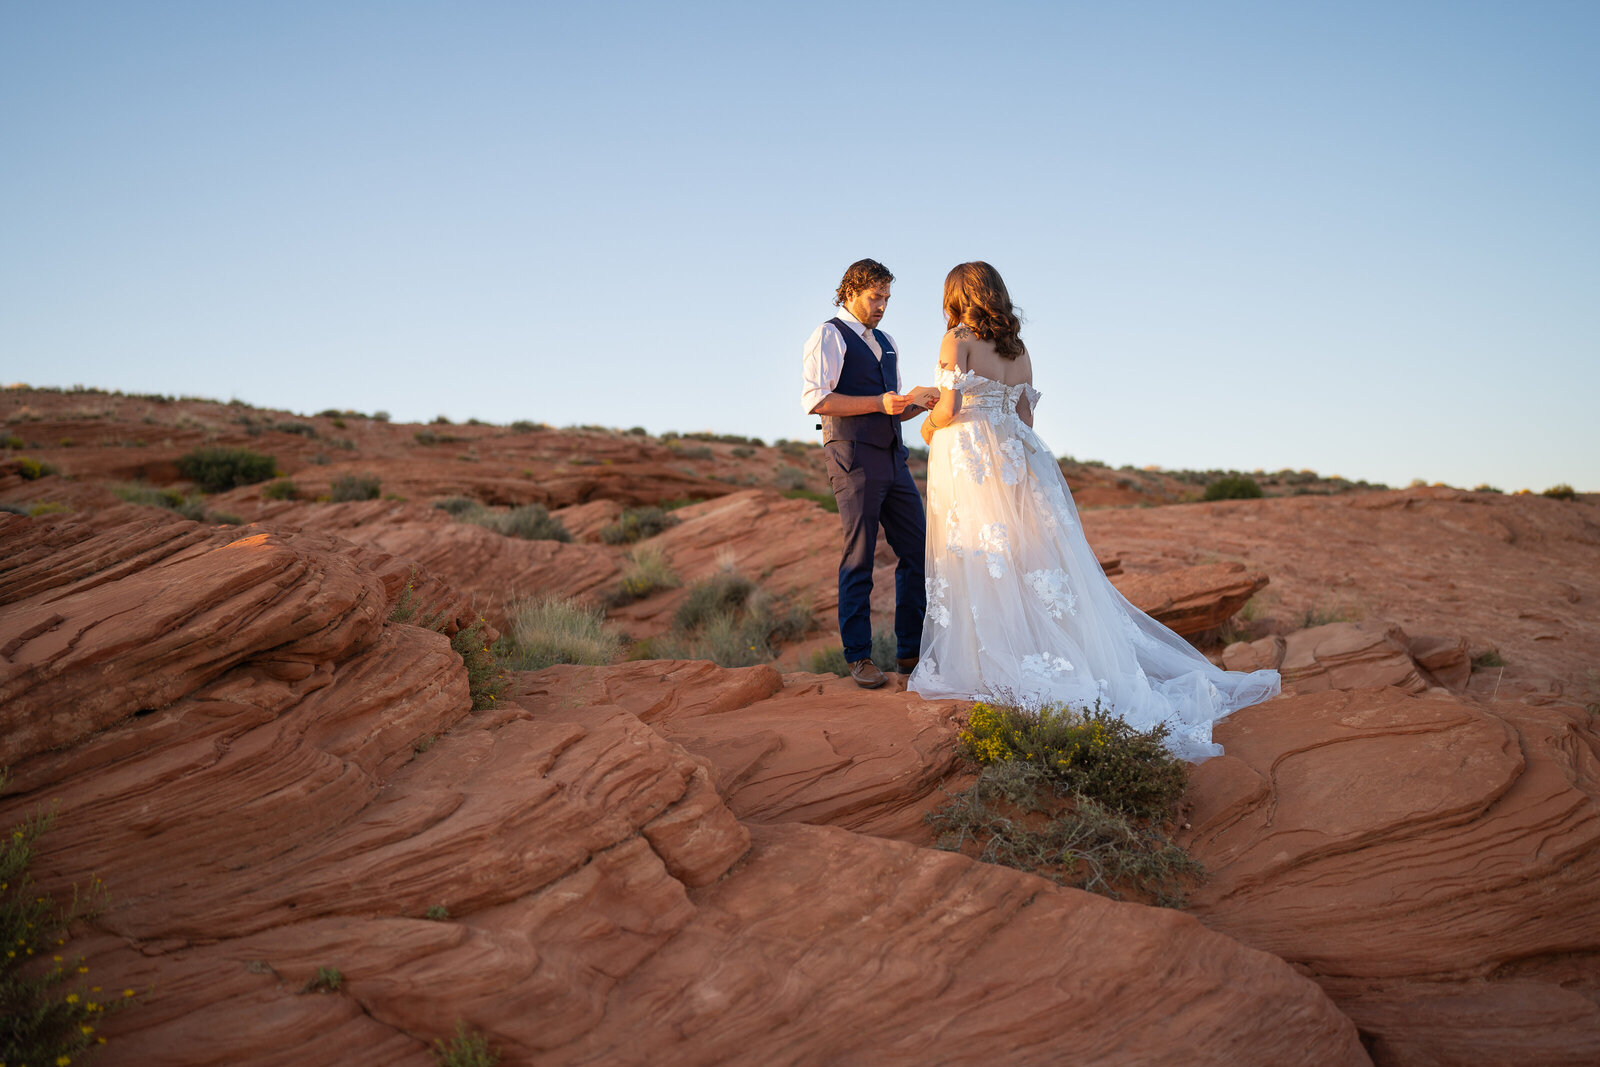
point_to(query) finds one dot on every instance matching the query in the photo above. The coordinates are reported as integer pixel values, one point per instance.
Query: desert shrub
(442, 420)
(326, 980)
(824, 497)
(304, 429)
(1073, 793)
(690, 451)
(1088, 751)
(349, 487)
(1491, 658)
(282, 489)
(13, 509)
(216, 470)
(226, 518)
(380, 416)
(531, 522)
(1233, 487)
(729, 620)
(1563, 491)
(790, 478)
(1011, 816)
(33, 469)
(645, 570)
(11, 441)
(725, 591)
(548, 630)
(457, 506)
(1485, 487)
(49, 1012)
(636, 524)
(437, 912)
(638, 431)
(525, 426)
(743, 452)
(47, 507)
(467, 1048)
(832, 661)
(190, 507)
(486, 679)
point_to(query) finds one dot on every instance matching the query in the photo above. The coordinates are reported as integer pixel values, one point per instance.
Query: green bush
(11, 441)
(790, 478)
(645, 571)
(349, 487)
(467, 1049)
(33, 469)
(190, 507)
(49, 1014)
(1233, 487)
(216, 470)
(1562, 491)
(282, 489)
(636, 524)
(1089, 751)
(525, 426)
(1076, 794)
(486, 680)
(304, 429)
(530, 522)
(457, 506)
(549, 630)
(832, 661)
(729, 620)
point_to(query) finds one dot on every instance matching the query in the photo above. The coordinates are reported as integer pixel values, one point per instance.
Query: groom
(851, 378)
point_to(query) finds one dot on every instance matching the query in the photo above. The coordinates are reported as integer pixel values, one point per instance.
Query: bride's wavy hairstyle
(974, 294)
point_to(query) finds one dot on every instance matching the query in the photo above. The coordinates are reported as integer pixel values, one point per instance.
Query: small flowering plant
(1089, 751)
(49, 1011)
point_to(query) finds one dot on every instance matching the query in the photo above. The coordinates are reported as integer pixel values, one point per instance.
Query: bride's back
(980, 357)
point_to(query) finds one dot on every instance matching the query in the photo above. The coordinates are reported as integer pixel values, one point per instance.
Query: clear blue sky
(1358, 237)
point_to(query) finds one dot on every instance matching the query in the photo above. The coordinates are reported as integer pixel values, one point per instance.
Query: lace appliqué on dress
(952, 531)
(992, 541)
(937, 586)
(1013, 458)
(1044, 663)
(965, 455)
(1050, 586)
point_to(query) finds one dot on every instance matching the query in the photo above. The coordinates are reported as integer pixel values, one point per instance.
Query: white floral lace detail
(1013, 458)
(1042, 509)
(965, 455)
(952, 531)
(1046, 664)
(1050, 586)
(937, 586)
(992, 541)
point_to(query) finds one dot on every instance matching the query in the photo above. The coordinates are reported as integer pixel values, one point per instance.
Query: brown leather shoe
(908, 664)
(867, 674)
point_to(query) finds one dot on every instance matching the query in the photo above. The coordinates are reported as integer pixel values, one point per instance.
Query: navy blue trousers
(874, 488)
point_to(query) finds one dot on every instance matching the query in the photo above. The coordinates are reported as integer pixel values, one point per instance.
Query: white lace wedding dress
(1019, 608)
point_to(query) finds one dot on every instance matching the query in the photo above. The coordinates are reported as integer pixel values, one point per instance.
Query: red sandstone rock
(1431, 862)
(305, 805)
(1194, 599)
(791, 748)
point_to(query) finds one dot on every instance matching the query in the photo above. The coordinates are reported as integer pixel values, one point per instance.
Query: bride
(1018, 606)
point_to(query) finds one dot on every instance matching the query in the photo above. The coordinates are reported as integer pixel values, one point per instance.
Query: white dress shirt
(824, 359)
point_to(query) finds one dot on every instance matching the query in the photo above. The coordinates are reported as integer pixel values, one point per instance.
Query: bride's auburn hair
(975, 295)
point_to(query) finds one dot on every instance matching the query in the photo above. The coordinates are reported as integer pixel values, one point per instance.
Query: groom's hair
(863, 274)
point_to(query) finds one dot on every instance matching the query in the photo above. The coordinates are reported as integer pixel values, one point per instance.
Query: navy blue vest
(864, 375)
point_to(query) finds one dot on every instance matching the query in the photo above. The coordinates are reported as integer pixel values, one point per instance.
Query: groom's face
(868, 305)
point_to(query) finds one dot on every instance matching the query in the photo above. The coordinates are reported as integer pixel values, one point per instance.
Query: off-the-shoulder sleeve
(1033, 396)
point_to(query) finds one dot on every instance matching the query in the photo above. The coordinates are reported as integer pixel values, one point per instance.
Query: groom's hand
(894, 403)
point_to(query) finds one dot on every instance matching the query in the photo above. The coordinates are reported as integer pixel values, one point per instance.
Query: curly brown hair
(974, 294)
(863, 274)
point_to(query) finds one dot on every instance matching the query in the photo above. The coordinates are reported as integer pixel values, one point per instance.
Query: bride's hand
(924, 396)
(927, 432)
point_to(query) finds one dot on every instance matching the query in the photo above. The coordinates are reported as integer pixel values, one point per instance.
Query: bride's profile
(1018, 606)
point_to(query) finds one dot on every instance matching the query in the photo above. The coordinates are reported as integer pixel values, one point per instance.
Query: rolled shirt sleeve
(821, 366)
